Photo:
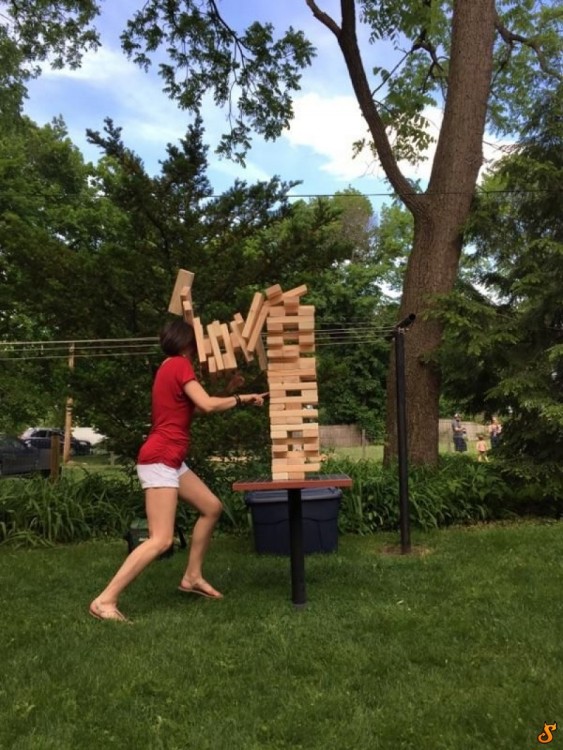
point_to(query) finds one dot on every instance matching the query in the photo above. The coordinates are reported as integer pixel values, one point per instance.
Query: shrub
(459, 490)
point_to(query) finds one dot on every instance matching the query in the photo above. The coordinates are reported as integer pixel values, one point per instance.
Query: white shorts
(160, 475)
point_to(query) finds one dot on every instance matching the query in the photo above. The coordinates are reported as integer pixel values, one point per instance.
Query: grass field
(457, 647)
(375, 452)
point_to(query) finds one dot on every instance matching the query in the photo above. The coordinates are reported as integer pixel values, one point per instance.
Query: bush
(459, 491)
(37, 512)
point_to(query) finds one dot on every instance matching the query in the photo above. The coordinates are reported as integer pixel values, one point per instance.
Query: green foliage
(206, 55)
(459, 491)
(36, 512)
(502, 351)
(32, 31)
(201, 52)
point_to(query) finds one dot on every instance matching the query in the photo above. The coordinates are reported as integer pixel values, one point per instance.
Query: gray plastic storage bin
(270, 520)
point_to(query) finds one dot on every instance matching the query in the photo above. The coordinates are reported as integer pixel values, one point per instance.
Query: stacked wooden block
(292, 382)
(289, 359)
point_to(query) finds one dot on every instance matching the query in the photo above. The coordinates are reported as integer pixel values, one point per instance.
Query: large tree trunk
(439, 220)
(441, 212)
(432, 269)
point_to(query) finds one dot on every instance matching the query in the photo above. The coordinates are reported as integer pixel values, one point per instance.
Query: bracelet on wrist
(238, 400)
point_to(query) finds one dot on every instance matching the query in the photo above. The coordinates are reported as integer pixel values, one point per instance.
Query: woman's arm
(208, 404)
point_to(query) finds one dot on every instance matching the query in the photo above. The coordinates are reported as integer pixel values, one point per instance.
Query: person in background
(495, 429)
(176, 397)
(459, 433)
(482, 449)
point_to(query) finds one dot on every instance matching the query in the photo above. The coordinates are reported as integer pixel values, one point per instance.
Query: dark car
(40, 437)
(17, 458)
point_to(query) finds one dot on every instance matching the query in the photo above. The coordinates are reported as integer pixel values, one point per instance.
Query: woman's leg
(193, 491)
(160, 506)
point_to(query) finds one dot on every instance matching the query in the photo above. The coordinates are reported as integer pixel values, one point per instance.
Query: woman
(176, 396)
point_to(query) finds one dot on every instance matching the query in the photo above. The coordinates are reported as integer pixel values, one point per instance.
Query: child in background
(482, 449)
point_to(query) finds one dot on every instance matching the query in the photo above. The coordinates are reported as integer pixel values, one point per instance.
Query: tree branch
(510, 38)
(348, 43)
(324, 18)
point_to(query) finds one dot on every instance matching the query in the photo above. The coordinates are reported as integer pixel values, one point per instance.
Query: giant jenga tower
(292, 382)
(289, 361)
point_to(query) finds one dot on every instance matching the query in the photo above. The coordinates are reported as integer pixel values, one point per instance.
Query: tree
(34, 31)
(510, 336)
(91, 252)
(479, 58)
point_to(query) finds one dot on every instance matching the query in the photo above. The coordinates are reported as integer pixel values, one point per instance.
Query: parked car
(40, 437)
(17, 458)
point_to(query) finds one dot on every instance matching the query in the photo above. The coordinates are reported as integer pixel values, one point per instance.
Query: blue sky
(316, 150)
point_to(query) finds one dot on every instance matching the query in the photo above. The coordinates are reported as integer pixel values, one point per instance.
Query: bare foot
(201, 587)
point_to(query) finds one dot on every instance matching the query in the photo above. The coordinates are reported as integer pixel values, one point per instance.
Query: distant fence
(341, 436)
(351, 436)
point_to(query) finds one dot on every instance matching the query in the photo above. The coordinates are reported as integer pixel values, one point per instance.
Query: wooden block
(258, 325)
(255, 307)
(297, 291)
(307, 339)
(229, 359)
(261, 354)
(292, 415)
(291, 306)
(236, 337)
(187, 311)
(280, 475)
(183, 279)
(273, 327)
(199, 340)
(275, 375)
(212, 365)
(306, 324)
(274, 294)
(213, 332)
(286, 419)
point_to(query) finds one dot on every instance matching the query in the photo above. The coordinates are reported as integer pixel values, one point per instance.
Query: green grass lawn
(460, 647)
(375, 452)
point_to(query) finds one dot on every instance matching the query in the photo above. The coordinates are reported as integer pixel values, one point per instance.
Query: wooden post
(68, 409)
(54, 459)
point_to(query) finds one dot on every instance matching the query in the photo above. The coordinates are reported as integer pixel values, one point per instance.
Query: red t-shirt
(172, 412)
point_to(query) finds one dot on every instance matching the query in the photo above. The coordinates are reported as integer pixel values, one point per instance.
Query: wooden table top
(313, 480)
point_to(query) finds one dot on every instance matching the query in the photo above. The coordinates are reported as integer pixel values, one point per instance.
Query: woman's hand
(254, 399)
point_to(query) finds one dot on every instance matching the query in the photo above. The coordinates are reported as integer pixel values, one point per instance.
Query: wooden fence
(351, 436)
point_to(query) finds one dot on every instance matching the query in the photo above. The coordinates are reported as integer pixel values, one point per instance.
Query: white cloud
(329, 125)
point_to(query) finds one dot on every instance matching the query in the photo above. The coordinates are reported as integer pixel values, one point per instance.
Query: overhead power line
(17, 351)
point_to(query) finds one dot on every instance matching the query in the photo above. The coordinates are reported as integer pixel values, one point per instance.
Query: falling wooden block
(261, 354)
(229, 359)
(236, 325)
(255, 307)
(258, 326)
(214, 334)
(200, 341)
(187, 308)
(298, 291)
(183, 279)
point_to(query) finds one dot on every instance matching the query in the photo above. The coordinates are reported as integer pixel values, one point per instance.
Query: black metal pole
(402, 445)
(296, 549)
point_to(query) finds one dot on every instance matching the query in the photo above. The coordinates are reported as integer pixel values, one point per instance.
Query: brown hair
(177, 337)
